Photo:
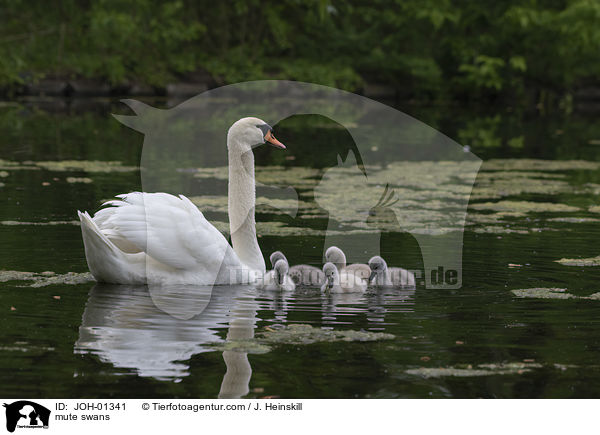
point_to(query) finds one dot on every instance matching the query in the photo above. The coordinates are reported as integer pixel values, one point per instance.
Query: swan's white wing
(169, 229)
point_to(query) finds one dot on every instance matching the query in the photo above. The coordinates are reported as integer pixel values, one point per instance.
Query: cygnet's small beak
(373, 275)
(271, 139)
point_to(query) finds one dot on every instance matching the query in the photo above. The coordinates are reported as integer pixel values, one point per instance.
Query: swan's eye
(265, 128)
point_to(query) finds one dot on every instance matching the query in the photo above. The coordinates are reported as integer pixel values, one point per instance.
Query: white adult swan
(159, 238)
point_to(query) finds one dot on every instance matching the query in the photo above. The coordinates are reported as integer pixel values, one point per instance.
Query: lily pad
(592, 261)
(297, 334)
(306, 334)
(85, 166)
(247, 346)
(515, 368)
(574, 220)
(543, 293)
(69, 165)
(45, 278)
(14, 223)
(539, 165)
(524, 206)
(84, 180)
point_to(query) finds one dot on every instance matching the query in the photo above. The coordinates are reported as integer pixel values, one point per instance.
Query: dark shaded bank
(538, 53)
(582, 99)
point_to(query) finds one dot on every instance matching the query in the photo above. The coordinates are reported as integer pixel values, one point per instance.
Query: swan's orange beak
(271, 139)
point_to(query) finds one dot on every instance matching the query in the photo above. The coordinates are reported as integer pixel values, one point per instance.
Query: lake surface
(521, 325)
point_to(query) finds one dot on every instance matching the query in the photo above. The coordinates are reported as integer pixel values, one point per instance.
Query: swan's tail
(105, 260)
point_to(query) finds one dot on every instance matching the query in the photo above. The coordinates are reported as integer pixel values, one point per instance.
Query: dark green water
(477, 341)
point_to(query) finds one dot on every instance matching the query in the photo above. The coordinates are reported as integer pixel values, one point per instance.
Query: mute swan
(164, 239)
(302, 274)
(384, 276)
(343, 282)
(278, 278)
(336, 256)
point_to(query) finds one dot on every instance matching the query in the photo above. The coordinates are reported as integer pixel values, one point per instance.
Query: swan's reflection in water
(155, 331)
(342, 308)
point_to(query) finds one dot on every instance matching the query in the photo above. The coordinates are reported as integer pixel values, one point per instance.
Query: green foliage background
(422, 48)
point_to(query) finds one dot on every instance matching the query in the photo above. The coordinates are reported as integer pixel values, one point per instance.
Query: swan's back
(306, 275)
(166, 233)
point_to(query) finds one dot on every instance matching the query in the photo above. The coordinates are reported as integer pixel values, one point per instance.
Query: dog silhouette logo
(26, 414)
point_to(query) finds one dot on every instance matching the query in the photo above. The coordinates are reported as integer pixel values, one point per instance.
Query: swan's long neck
(242, 201)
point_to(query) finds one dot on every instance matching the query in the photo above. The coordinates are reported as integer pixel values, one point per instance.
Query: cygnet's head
(336, 256)
(277, 255)
(377, 266)
(249, 132)
(331, 274)
(281, 269)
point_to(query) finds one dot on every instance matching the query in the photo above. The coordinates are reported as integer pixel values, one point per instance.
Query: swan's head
(377, 266)
(275, 256)
(249, 132)
(336, 256)
(281, 269)
(331, 275)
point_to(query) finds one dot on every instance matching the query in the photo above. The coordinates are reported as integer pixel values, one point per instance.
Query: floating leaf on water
(573, 220)
(496, 229)
(43, 279)
(543, 293)
(297, 334)
(470, 371)
(14, 275)
(297, 176)
(306, 334)
(440, 372)
(539, 165)
(493, 185)
(69, 165)
(246, 346)
(10, 165)
(85, 166)
(76, 223)
(263, 205)
(551, 293)
(524, 206)
(84, 180)
(31, 350)
(70, 278)
(591, 261)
